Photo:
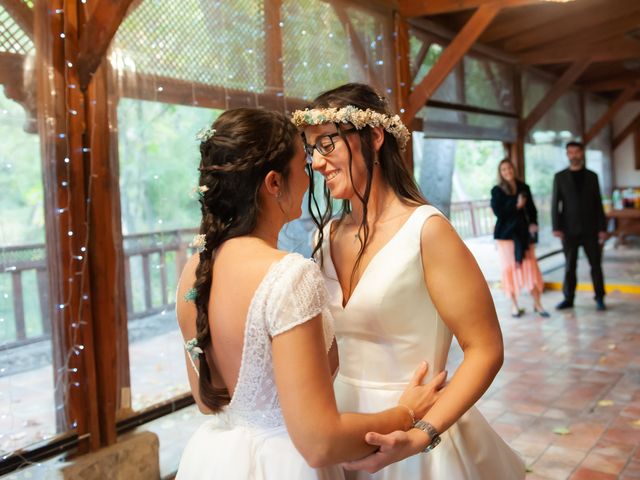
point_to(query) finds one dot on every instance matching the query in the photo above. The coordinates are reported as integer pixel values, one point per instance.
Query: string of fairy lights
(68, 376)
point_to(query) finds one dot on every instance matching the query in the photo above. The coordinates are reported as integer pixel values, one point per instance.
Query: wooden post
(636, 146)
(449, 58)
(106, 256)
(61, 128)
(516, 151)
(404, 77)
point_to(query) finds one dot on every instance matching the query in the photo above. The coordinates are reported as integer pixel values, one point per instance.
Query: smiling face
(334, 166)
(507, 172)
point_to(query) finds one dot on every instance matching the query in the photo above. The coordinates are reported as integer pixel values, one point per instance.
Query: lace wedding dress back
(248, 439)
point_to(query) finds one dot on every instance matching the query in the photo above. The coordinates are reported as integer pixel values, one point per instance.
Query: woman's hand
(420, 398)
(392, 448)
(533, 228)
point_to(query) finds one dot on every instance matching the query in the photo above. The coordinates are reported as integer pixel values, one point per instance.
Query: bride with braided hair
(259, 342)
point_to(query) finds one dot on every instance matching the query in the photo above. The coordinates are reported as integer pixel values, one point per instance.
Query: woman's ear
(377, 138)
(273, 184)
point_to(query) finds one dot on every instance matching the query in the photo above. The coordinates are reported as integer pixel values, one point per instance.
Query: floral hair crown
(357, 117)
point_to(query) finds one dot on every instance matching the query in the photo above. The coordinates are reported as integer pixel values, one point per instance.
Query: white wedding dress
(387, 327)
(249, 440)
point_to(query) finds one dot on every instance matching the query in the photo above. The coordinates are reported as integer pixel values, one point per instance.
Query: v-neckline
(344, 304)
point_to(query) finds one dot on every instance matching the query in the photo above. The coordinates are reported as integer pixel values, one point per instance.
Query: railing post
(18, 305)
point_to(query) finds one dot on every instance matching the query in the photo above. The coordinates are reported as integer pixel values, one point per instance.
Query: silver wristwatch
(430, 430)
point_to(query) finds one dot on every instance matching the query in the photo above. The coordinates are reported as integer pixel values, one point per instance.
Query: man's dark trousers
(592, 248)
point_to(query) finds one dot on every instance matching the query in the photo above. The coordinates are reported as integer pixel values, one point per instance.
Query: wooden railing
(155, 250)
(475, 218)
(149, 257)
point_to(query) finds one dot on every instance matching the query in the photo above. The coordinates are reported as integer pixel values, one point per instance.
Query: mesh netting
(12, 38)
(212, 42)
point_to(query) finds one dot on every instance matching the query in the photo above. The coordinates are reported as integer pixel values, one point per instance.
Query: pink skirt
(518, 277)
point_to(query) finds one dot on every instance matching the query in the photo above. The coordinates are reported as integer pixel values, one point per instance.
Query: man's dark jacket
(577, 210)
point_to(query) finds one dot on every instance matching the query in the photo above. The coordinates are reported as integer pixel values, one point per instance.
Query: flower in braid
(247, 145)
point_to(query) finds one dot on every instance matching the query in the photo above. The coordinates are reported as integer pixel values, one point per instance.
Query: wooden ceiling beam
(567, 79)
(449, 58)
(591, 25)
(615, 107)
(422, 8)
(612, 84)
(516, 21)
(96, 35)
(614, 50)
(633, 126)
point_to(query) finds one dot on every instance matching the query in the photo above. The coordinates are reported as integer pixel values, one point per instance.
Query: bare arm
(319, 432)
(469, 313)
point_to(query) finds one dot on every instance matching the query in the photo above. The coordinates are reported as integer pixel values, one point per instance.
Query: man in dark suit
(578, 220)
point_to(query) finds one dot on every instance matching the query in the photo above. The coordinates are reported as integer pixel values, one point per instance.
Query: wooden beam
(591, 25)
(440, 34)
(557, 90)
(636, 147)
(451, 55)
(514, 22)
(61, 128)
(422, 8)
(96, 35)
(630, 128)
(422, 54)
(594, 36)
(615, 50)
(21, 14)
(615, 107)
(612, 84)
(404, 77)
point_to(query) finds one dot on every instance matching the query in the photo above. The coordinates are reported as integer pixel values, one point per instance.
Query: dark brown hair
(247, 144)
(392, 166)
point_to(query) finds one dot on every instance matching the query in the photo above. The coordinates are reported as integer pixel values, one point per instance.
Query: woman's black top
(513, 223)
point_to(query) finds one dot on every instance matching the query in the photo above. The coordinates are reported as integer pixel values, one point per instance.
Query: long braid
(247, 144)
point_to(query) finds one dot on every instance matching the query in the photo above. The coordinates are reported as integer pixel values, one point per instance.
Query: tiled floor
(568, 395)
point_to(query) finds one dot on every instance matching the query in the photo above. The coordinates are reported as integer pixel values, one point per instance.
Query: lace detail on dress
(291, 293)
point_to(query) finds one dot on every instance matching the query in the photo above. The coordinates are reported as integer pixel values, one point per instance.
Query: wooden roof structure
(593, 45)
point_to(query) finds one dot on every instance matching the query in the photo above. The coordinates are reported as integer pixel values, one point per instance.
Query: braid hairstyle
(247, 144)
(393, 168)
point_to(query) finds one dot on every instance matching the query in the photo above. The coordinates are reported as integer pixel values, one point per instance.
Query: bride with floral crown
(401, 283)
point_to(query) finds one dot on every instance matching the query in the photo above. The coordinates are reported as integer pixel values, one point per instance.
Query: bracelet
(411, 413)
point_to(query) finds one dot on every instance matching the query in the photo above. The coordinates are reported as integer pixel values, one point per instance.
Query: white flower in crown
(205, 134)
(199, 242)
(357, 117)
(203, 189)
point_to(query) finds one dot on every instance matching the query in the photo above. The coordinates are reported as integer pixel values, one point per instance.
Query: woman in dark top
(515, 233)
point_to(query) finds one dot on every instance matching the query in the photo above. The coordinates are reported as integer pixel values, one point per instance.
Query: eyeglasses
(324, 144)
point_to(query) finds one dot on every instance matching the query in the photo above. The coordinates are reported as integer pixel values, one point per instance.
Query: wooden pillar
(106, 256)
(61, 129)
(516, 151)
(404, 76)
